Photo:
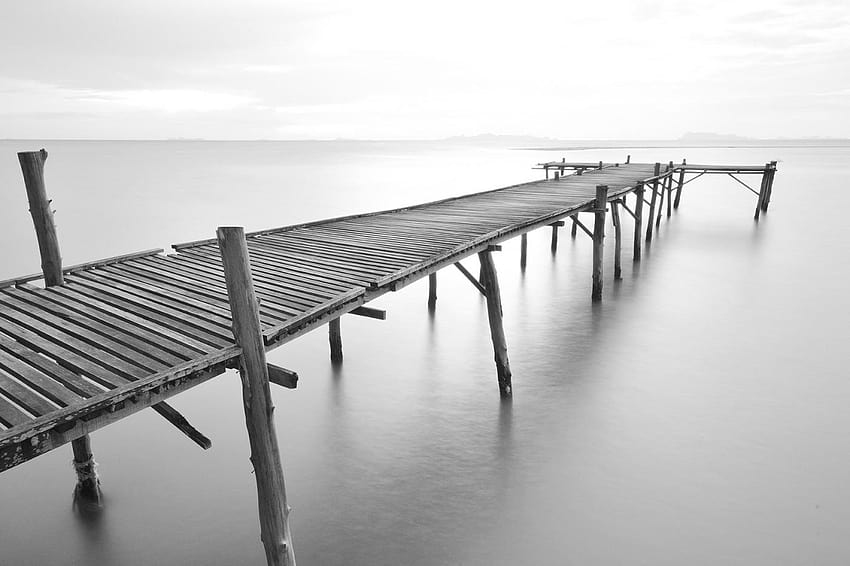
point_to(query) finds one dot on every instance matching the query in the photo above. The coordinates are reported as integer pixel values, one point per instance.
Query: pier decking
(127, 333)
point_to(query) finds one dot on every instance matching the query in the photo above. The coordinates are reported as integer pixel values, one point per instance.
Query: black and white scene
(458, 283)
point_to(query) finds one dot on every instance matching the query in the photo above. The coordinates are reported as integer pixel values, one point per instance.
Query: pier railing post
(32, 166)
(618, 235)
(598, 239)
(256, 397)
(651, 217)
(497, 332)
(639, 192)
(681, 182)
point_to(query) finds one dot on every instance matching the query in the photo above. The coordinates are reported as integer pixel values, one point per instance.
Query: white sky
(321, 69)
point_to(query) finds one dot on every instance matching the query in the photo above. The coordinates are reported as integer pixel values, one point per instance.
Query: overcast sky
(249, 69)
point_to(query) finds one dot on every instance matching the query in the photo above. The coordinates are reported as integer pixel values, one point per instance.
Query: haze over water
(697, 416)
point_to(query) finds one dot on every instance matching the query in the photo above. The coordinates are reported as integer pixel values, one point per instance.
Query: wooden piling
(639, 191)
(432, 290)
(574, 228)
(87, 490)
(557, 175)
(769, 188)
(681, 183)
(256, 397)
(335, 340)
(32, 166)
(762, 191)
(651, 217)
(598, 240)
(523, 251)
(666, 184)
(554, 245)
(497, 332)
(669, 189)
(618, 235)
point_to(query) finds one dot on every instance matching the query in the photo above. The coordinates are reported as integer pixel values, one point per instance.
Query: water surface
(697, 416)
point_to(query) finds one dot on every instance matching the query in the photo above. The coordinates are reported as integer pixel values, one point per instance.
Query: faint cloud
(169, 100)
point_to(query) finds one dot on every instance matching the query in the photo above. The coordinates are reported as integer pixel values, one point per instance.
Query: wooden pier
(99, 341)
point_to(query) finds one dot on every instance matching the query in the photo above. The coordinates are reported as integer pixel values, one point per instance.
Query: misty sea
(698, 415)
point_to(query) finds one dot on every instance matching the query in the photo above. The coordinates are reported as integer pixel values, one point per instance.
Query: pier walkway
(126, 333)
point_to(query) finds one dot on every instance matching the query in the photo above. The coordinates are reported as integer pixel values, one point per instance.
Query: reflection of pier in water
(102, 340)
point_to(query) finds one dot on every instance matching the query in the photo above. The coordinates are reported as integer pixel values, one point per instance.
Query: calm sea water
(697, 416)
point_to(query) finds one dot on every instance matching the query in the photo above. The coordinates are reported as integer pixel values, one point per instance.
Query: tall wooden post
(335, 340)
(766, 200)
(681, 182)
(523, 250)
(32, 165)
(554, 245)
(639, 190)
(557, 175)
(666, 185)
(598, 239)
(669, 189)
(256, 398)
(497, 332)
(432, 291)
(574, 229)
(762, 190)
(618, 236)
(545, 168)
(651, 217)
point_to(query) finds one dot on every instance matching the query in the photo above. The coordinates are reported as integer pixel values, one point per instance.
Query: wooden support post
(256, 398)
(335, 340)
(554, 245)
(432, 290)
(497, 331)
(670, 189)
(546, 168)
(666, 183)
(762, 190)
(680, 185)
(598, 239)
(618, 236)
(628, 159)
(574, 228)
(639, 190)
(32, 166)
(651, 217)
(766, 201)
(523, 251)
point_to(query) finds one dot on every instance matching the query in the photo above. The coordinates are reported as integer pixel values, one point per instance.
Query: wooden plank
(129, 337)
(24, 397)
(369, 312)
(37, 381)
(11, 415)
(146, 331)
(171, 327)
(67, 378)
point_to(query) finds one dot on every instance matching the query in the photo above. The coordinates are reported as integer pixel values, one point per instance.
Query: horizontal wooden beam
(282, 376)
(494, 248)
(369, 312)
(559, 223)
(179, 421)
